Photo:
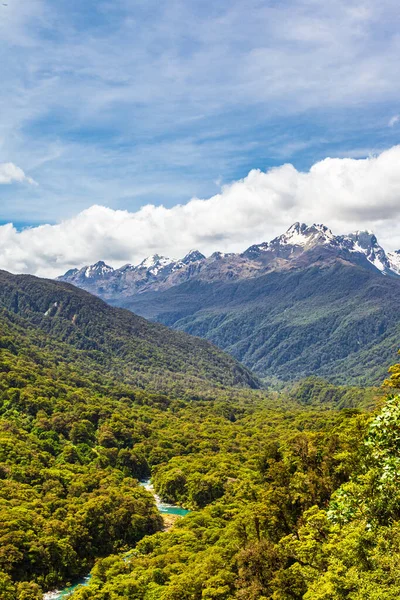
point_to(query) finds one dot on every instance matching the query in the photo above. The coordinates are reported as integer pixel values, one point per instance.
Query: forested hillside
(332, 319)
(115, 341)
(77, 429)
(289, 492)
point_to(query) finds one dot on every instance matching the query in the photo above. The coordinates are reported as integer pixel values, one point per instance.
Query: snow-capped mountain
(100, 269)
(156, 263)
(307, 301)
(192, 256)
(298, 247)
(150, 273)
(365, 242)
(93, 272)
(394, 261)
(299, 236)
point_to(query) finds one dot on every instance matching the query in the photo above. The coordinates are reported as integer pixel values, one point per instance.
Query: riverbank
(163, 507)
(170, 514)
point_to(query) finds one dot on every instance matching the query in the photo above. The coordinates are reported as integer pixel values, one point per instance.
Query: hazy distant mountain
(307, 302)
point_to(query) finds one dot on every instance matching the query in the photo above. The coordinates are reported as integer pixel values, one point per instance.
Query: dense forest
(329, 318)
(115, 341)
(288, 504)
(292, 494)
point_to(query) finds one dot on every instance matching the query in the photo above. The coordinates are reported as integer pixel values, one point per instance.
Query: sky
(132, 127)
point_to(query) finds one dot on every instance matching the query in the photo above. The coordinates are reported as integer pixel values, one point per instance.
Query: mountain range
(159, 272)
(307, 302)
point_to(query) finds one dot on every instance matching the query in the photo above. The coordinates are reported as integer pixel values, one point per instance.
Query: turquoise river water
(166, 509)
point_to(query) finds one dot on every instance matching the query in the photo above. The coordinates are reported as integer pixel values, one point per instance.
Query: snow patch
(394, 261)
(365, 242)
(300, 234)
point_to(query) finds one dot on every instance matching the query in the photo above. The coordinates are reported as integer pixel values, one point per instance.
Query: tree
(394, 379)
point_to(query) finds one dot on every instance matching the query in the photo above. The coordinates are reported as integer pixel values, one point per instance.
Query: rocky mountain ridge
(300, 244)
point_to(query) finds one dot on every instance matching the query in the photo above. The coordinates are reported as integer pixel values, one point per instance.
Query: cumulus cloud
(124, 98)
(394, 120)
(342, 193)
(10, 173)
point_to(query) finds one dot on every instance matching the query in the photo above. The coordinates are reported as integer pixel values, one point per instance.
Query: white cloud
(394, 120)
(342, 193)
(10, 173)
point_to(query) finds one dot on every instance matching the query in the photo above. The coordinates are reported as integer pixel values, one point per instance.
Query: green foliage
(394, 379)
(374, 494)
(242, 541)
(328, 319)
(291, 498)
(73, 441)
(314, 391)
(316, 516)
(110, 340)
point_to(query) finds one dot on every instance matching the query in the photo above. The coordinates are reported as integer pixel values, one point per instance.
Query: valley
(170, 514)
(94, 399)
(199, 300)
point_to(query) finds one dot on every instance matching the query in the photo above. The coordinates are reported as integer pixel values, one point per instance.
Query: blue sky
(112, 110)
(125, 103)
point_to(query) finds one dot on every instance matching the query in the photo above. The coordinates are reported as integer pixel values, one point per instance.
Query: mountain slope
(308, 302)
(337, 320)
(124, 345)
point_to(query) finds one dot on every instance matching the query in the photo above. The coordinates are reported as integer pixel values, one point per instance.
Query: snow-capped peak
(366, 243)
(300, 234)
(98, 269)
(394, 261)
(192, 256)
(155, 263)
(366, 238)
(301, 237)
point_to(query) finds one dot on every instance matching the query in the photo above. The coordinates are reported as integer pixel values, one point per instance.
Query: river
(164, 508)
